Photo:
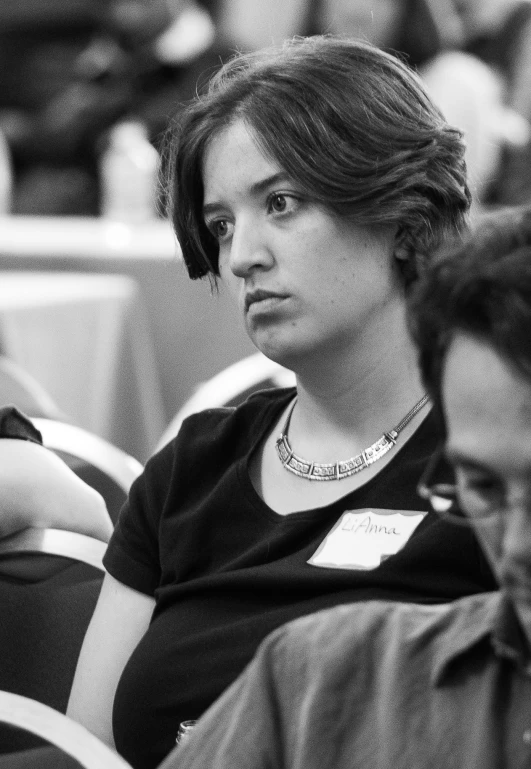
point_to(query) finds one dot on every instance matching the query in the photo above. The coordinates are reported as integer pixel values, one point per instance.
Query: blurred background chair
(43, 722)
(98, 462)
(19, 388)
(49, 584)
(34, 553)
(231, 387)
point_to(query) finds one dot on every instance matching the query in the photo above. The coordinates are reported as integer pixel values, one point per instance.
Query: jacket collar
(489, 616)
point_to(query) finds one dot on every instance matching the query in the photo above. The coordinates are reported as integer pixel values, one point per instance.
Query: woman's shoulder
(261, 406)
(208, 444)
(234, 428)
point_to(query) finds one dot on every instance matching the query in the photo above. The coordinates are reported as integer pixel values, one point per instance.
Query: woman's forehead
(234, 158)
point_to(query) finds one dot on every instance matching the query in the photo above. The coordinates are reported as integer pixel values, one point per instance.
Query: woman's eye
(220, 228)
(279, 203)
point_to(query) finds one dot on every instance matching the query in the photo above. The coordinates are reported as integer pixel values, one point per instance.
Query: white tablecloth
(84, 337)
(195, 332)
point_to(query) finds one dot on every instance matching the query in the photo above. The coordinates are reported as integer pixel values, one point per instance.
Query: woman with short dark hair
(314, 179)
(356, 130)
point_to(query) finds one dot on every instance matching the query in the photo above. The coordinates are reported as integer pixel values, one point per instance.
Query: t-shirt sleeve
(180, 474)
(133, 553)
(14, 424)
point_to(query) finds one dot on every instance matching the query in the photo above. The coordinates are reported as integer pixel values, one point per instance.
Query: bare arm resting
(121, 618)
(38, 489)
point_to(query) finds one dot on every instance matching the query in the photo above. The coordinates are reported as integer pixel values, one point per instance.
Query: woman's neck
(362, 392)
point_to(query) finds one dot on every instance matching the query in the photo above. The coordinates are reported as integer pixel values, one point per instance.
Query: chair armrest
(57, 543)
(59, 730)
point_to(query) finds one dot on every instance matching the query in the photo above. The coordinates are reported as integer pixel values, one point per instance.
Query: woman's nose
(249, 249)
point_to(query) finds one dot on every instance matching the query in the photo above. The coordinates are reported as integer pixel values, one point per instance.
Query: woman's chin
(290, 353)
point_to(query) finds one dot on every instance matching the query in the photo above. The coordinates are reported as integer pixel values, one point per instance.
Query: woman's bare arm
(121, 618)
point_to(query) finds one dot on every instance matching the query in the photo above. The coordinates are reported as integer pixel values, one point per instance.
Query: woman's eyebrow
(256, 188)
(211, 208)
(263, 184)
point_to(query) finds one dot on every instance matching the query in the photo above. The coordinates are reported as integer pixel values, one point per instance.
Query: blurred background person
(474, 58)
(498, 33)
(69, 71)
(418, 29)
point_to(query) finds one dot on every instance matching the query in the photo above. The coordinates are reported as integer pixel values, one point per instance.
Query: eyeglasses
(449, 501)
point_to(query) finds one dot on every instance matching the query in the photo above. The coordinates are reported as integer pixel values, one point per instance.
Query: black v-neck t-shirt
(226, 570)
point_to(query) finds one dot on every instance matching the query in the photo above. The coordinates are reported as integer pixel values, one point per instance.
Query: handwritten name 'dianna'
(366, 525)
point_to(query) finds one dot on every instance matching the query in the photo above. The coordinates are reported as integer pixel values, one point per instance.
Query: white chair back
(59, 730)
(70, 439)
(21, 553)
(230, 387)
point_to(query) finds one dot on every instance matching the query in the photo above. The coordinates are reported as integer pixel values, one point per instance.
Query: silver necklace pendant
(336, 471)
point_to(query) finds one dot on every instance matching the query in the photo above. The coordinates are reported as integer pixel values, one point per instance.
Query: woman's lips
(260, 300)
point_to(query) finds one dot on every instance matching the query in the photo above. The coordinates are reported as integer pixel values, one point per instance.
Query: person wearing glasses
(399, 686)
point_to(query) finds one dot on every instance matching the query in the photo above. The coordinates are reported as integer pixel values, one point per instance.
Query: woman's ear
(403, 252)
(403, 249)
(406, 257)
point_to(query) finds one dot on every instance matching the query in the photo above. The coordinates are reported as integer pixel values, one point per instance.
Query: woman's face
(307, 282)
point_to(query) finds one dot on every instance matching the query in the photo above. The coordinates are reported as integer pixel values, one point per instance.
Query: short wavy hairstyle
(352, 125)
(479, 286)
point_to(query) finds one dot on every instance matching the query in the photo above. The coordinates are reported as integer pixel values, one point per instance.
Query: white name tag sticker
(363, 539)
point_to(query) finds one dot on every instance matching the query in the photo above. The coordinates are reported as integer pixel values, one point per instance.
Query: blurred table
(195, 332)
(86, 237)
(84, 338)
